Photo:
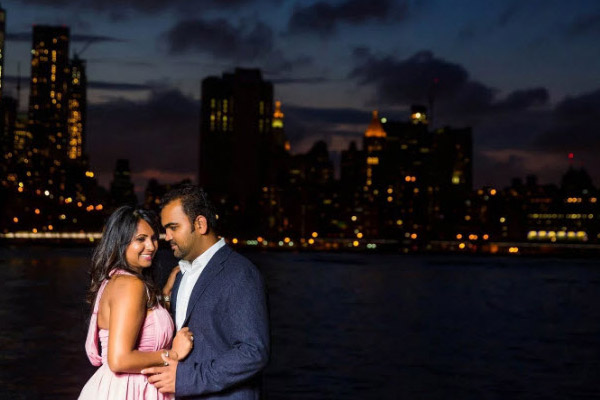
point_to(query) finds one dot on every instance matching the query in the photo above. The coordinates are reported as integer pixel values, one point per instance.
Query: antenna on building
(571, 159)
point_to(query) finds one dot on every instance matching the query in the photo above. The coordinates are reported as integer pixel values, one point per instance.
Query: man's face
(178, 230)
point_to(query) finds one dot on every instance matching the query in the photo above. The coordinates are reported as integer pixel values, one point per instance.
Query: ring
(192, 338)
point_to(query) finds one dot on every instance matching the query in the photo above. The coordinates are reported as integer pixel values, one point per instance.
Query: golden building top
(375, 128)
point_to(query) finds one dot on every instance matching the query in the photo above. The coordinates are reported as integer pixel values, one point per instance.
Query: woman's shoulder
(126, 284)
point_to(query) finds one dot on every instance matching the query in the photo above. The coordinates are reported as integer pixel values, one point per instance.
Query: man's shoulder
(236, 263)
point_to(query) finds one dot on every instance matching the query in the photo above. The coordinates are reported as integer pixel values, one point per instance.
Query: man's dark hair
(195, 202)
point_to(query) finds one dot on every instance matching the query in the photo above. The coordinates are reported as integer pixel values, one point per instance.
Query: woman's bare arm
(127, 304)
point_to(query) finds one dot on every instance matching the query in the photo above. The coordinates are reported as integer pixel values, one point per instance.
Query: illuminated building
(2, 40)
(236, 115)
(279, 140)
(49, 90)
(373, 146)
(236, 139)
(77, 109)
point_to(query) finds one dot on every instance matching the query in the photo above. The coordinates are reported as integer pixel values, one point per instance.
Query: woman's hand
(182, 344)
(170, 282)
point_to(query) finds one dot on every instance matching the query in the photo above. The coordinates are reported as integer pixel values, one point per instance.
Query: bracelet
(166, 354)
(166, 298)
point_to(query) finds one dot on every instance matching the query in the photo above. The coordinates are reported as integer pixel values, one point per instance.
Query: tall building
(49, 90)
(235, 128)
(77, 110)
(2, 40)
(373, 146)
(236, 113)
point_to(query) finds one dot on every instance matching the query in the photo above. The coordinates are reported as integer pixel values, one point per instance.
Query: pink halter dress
(156, 334)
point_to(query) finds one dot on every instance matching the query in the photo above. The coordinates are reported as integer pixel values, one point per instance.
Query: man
(220, 296)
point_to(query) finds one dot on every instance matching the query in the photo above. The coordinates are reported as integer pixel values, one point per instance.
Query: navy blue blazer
(227, 313)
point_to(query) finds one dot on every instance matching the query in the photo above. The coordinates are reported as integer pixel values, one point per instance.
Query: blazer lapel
(212, 269)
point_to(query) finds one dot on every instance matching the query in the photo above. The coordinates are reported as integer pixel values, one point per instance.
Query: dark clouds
(423, 78)
(323, 17)
(158, 134)
(220, 38)
(524, 99)
(247, 42)
(575, 127)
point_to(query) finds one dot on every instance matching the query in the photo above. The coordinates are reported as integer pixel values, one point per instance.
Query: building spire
(375, 129)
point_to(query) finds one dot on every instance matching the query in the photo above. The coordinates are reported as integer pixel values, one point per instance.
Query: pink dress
(156, 334)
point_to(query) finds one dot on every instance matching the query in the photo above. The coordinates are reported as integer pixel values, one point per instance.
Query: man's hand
(163, 378)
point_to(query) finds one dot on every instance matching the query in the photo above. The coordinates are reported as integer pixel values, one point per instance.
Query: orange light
(413, 235)
(234, 241)
(15, 220)
(459, 236)
(37, 211)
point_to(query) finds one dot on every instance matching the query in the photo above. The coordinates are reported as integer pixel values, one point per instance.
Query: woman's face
(142, 248)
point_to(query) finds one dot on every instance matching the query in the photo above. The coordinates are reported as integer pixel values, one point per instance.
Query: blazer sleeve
(247, 322)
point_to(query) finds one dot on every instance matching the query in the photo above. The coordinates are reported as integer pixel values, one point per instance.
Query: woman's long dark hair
(110, 252)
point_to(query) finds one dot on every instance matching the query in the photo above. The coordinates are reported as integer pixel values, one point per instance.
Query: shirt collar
(202, 260)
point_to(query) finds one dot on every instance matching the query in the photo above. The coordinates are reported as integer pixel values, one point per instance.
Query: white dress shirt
(191, 272)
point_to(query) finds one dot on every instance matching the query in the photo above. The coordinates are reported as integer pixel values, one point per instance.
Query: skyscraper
(373, 145)
(235, 123)
(49, 89)
(77, 110)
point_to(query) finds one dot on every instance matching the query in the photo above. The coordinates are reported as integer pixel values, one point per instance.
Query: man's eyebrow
(170, 225)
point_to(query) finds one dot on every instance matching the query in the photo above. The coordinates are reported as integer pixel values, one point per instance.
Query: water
(347, 326)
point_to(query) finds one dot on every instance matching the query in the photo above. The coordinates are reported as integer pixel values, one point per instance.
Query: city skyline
(523, 89)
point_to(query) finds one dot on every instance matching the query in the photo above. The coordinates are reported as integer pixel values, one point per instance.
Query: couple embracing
(216, 299)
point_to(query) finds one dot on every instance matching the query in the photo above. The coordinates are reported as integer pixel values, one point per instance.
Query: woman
(128, 319)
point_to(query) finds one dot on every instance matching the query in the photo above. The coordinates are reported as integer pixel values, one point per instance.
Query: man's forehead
(171, 210)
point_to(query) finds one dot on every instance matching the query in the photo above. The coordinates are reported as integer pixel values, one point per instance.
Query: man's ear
(201, 224)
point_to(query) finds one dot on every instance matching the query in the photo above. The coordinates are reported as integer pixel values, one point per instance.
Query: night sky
(525, 75)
